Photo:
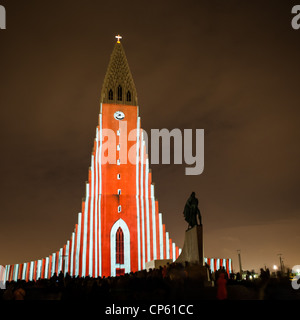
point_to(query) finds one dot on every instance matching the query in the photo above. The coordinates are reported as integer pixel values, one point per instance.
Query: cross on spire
(118, 37)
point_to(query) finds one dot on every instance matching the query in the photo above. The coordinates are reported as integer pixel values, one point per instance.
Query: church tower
(130, 218)
(118, 86)
(119, 228)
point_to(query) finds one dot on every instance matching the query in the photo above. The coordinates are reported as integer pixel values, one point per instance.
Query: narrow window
(119, 176)
(118, 162)
(119, 209)
(118, 132)
(128, 96)
(110, 95)
(120, 246)
(120, 95)
(118, 147)
(119, 191)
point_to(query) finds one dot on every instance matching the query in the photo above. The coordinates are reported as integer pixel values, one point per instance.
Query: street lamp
(275, 268)
(240, 262)
(281, 262)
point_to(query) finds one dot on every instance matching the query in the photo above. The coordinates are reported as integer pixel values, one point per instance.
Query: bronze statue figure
(191, 212)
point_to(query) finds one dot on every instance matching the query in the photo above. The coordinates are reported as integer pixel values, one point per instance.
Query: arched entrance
(119, 248)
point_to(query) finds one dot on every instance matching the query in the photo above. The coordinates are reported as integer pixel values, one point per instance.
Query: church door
(120, 248)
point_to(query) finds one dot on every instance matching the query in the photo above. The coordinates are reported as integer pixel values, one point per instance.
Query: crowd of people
(172, 282)
(169, 282)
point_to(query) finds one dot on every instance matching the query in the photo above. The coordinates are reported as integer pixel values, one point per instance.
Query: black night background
(228, 67)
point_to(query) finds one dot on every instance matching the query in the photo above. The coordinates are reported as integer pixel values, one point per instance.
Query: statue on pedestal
(191, 212)
(192, 250)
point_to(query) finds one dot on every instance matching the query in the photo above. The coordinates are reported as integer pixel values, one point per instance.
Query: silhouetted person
(221, 287)
(19, 293)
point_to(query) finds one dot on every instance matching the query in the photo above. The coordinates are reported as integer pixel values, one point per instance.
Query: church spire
(118, 86)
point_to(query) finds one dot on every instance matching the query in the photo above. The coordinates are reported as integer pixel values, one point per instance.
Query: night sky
(228, 67)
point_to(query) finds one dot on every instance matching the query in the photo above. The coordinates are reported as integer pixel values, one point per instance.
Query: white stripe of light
(174, 251)
(67, 257)
(153, 223)
(39, 269)
(72, 255)
(91, 219)
(16, 270)
(78, 244)
(31, 270)
(100, 192)
(24, 271)
(147, 209)
(7, 269)
(53, 264)
(167, 245)
(137, 193)
(96, 206)
(84, 257)
(60, 259)
(161, 236)
(142, 201)
(46, 276)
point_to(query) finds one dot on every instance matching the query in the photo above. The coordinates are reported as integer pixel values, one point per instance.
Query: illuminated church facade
(119, 228)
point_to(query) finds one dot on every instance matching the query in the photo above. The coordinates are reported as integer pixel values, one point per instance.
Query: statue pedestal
(192, 250)
(192, 253)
